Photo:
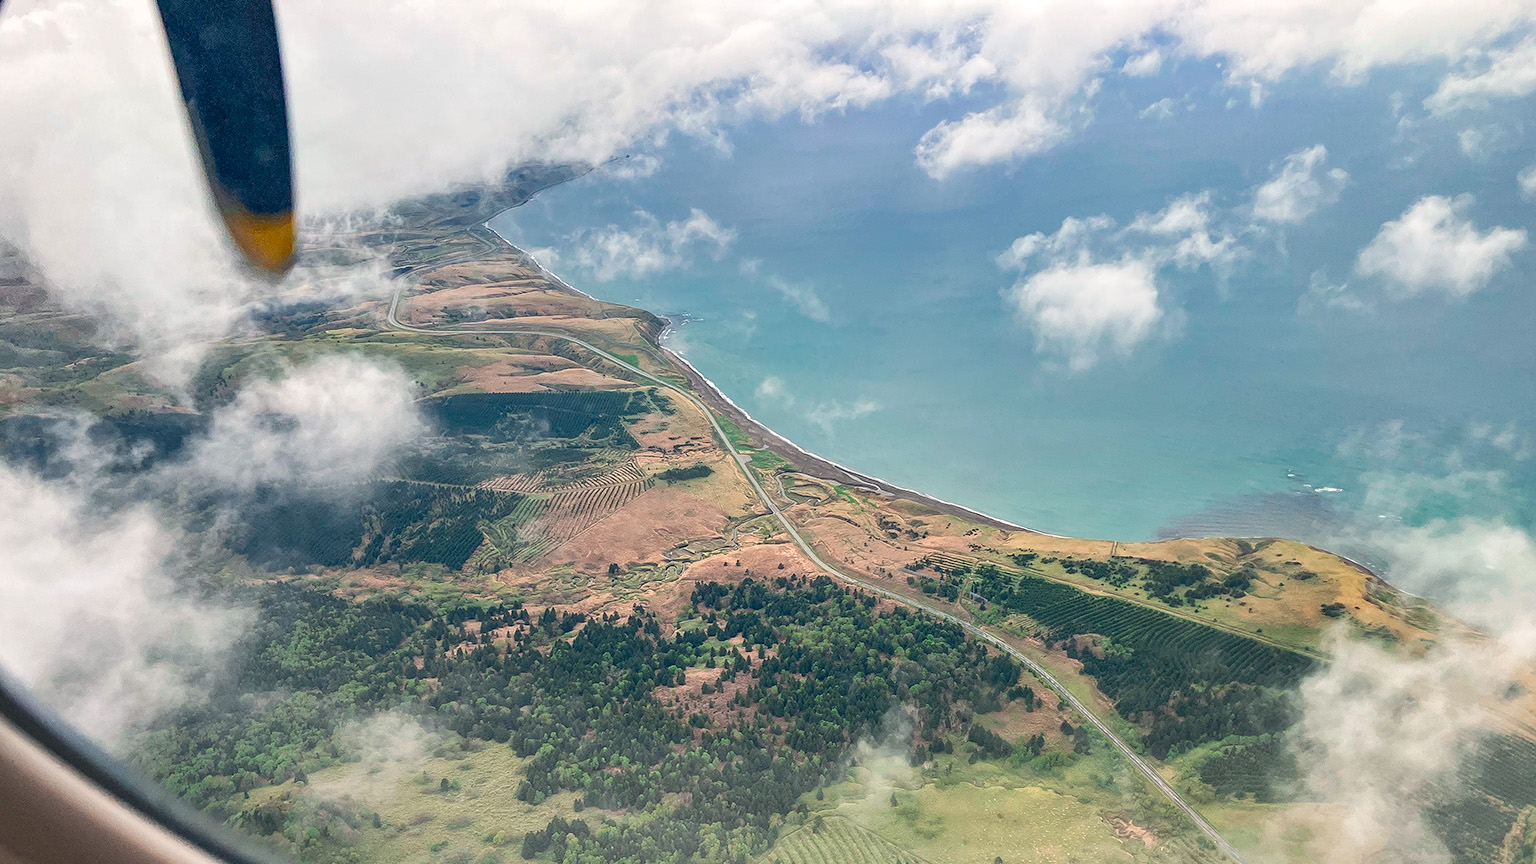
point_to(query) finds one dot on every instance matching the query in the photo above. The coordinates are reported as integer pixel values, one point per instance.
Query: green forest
(814, 667)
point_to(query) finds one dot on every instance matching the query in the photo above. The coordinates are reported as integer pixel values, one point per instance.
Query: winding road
(1050, 680)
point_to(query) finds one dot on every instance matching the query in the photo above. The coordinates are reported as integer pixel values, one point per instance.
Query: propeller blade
(231, 75)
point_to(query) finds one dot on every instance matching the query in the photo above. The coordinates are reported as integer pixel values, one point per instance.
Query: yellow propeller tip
(266, 240)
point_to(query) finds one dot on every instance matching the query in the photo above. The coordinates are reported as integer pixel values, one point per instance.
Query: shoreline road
(1050, 680)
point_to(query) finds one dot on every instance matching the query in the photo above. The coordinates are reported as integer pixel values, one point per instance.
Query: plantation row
(136, 440)
(1262, 768)
(1188, 682)
(516, 416)
(624, 472)
(571, 512)
(1065, 610)
(506, 538)
(516, 483)
(837, 841)
(396, 521)
(1170, 582)
(1473, 811)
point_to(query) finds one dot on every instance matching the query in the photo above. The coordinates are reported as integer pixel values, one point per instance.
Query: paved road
(1141, 764)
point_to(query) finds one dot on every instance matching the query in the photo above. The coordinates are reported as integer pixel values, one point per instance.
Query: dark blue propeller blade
(231, 76)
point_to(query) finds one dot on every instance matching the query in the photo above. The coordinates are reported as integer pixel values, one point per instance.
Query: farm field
(1297, 833)
(836, 841)
(965, 824)
(573, 510)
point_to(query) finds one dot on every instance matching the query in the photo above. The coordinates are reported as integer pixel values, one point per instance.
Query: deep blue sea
(912, 368)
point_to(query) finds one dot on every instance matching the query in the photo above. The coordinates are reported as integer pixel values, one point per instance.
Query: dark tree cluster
(391, 521)
(1261, 768)
(1116, 573)
(813, 667)
(1189, 683)
(692, 472)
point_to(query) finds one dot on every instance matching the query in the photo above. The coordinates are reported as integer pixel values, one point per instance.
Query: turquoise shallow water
(1230, 423)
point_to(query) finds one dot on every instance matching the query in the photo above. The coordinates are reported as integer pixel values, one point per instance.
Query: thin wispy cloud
(824, 414)
(1324, 294)
(127, 637)
(1302, 186)
(1162, 109)
(1487, 76)
(802, 296)
(647, 247)
(1526, 180)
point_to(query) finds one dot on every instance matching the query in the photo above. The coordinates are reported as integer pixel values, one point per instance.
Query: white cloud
(1480, 568)
(1479, 142)
(396, 98)
(650, 247)
(1143, 65)
(1379, 728)
(1188, 218)
(823, 414)
(392, 746)
(633, 166)
(773, 389)
(938, 67)
(1323, 293)
(986, 137)
(124, 637)
(93, 620)
(1499, 74)
(1080, 310)
(335, 421)
(1072, 239)
(1471, 142)
(1300, 188)
(1381, 725)
(1266, 41)
(828, 414)
(1527, 181)
(1434, 246)
(1162, 109)
(1506, 438)
(1182, 233)
(1092, 287)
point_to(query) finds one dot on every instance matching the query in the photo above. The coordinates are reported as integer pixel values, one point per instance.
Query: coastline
(802, 459)
(539, 265)
(811, 463)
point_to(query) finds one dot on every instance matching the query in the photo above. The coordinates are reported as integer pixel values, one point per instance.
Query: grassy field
(836, 841)
(966, 824)
(1279, 833)
(422, 823)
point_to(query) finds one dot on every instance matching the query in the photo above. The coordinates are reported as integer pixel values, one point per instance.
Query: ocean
(858, 309)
